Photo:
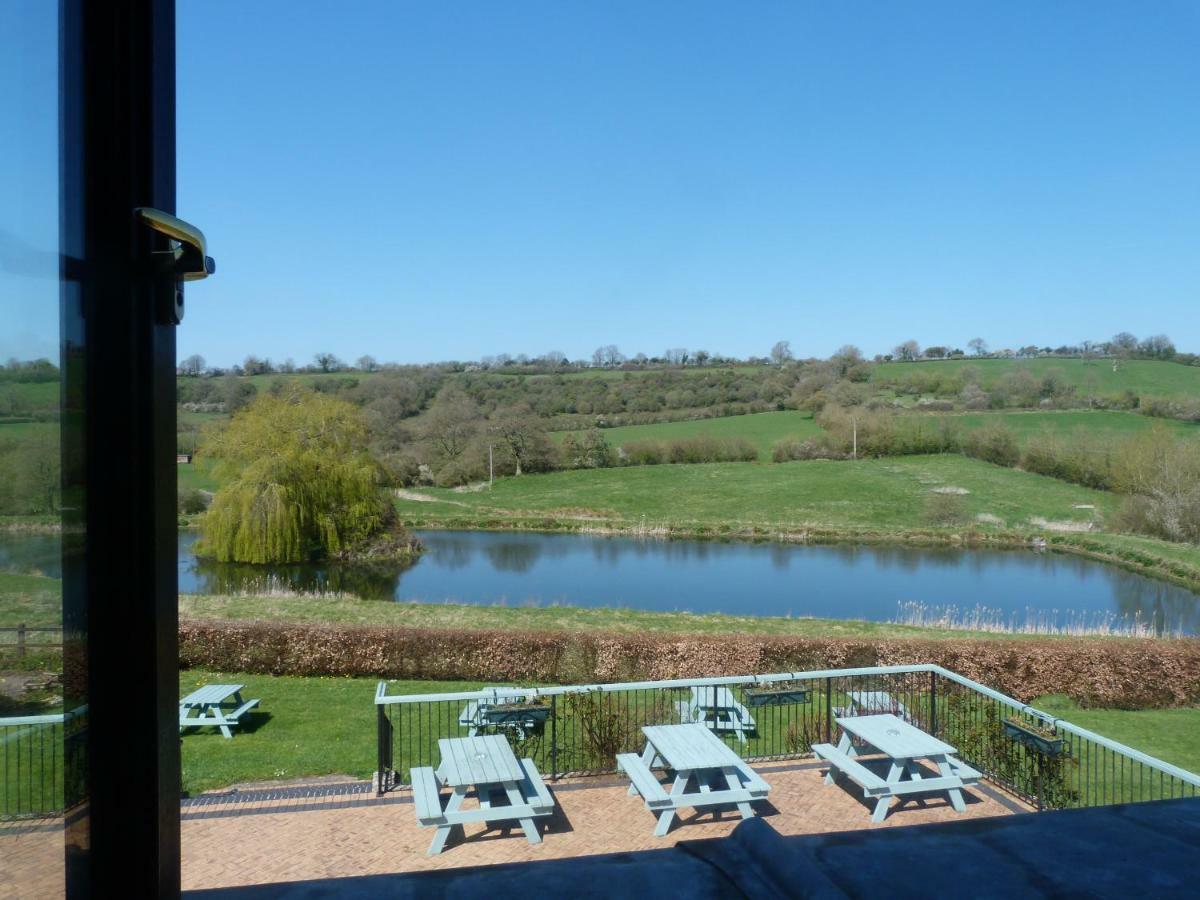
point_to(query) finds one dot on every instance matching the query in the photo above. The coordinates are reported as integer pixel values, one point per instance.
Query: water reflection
(841, 581)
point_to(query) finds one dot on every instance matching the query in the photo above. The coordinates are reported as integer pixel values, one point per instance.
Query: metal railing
(41, 763)
(580, 729)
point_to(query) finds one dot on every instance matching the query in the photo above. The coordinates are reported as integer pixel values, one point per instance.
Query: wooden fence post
(20, 640)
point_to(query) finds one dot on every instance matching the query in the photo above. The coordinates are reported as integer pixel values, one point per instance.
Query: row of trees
(1123, 345)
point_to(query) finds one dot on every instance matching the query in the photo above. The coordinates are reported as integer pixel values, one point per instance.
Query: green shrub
(1076, 461)
(793, 448)
(946, 510)
(192, 501)
(994, 443)
(689, 450)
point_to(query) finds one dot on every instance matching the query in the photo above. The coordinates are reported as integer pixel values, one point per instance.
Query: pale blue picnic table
(486, 765)
(716, 708)
(863, 702)
(707, 773)
(904, 745)
(206, 706)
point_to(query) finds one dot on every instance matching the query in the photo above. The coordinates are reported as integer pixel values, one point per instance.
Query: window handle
(188, 257)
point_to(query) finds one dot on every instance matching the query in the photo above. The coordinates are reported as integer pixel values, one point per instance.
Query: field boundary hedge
(1107, 672)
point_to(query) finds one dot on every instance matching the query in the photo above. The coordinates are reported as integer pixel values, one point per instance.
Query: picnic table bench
(206, 706)
(863, 702)
(903, 744)
(716, 708)
(697, 756)
(487, 765)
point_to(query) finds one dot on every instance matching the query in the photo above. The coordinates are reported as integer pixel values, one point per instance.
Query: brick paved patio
(228, 841)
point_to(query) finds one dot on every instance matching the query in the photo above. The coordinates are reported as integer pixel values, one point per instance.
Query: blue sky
(439, 181)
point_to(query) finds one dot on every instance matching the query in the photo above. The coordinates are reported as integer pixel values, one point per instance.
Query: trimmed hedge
(1110, 672)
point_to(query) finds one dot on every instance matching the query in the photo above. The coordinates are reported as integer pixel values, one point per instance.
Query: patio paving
(264, 837)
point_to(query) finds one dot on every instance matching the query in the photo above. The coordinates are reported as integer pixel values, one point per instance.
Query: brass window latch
(187, 257)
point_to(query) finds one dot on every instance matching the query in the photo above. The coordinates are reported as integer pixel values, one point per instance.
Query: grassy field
(32, 599)
(326, 726)
(761, 429)
(1093, 425)
(35, 394)
(1147, 378)
(764, 429)
(25, 430)
(197, 474)
(877, 494)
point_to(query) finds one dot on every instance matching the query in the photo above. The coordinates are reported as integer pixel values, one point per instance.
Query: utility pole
(854, 427)
(490, 470)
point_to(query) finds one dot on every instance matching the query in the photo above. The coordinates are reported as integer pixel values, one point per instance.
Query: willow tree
(297, 482)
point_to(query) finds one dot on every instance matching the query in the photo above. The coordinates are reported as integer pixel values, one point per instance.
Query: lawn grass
(197, 475)
(309, 727)
(878, 495)
(32, 599)
(761, 429)
(303, 727)
(1146, 378)
(26, 430)
(1172, 735)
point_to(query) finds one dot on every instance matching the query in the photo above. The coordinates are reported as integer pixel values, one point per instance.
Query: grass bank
(351, 611)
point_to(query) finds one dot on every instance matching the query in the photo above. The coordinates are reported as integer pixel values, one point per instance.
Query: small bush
(995, 444)
(192, 501)
(643, 453)
(792, 448)
(588, 451)
(1076, 461)
(690, 450)
(946, 510)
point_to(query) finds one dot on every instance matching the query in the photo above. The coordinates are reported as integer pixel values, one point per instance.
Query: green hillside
(1146, 378)
(878, 493)
(761, 429)
(1104, 425)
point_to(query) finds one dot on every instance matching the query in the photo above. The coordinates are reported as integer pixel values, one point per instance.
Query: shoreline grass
(352, 611)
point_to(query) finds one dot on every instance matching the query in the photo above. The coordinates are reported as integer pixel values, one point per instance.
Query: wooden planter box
(526, 714)
(1034, 738)
(776, 696)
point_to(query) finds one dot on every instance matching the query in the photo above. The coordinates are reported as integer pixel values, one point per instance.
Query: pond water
(1017, 588)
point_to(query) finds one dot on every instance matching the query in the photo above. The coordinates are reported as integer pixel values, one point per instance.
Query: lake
(1015, 588)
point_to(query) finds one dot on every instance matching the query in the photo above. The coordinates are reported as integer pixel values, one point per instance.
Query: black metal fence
(31, 766)
(41, 764)
(580, 729)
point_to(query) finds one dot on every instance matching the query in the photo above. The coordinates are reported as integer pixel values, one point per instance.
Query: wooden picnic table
(698, 757)
(486, 765)
(716, 707)
(904, 745)
(206, 706)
